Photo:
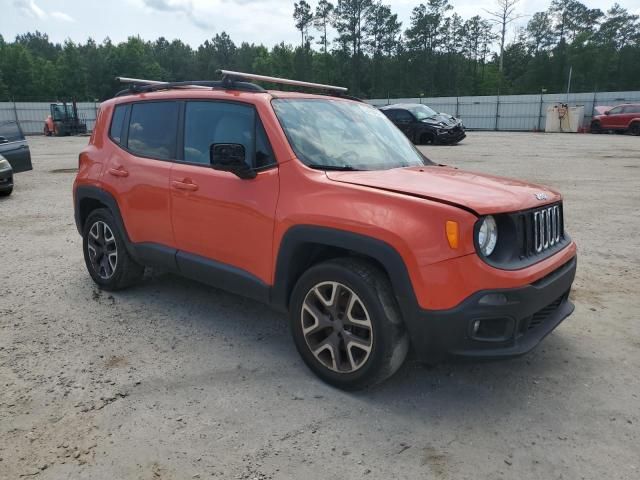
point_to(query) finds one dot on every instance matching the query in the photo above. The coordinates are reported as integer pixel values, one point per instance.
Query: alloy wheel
(336, 327)
(102, 249)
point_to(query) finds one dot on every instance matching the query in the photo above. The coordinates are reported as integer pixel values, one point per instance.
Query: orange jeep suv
(320, 207)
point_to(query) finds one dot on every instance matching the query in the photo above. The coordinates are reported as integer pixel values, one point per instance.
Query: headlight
(488, 236)
(4, 165)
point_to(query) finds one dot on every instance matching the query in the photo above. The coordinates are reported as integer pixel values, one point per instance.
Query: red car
(624, 118)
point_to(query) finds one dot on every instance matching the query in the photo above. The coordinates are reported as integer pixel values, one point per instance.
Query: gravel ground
(175, 380)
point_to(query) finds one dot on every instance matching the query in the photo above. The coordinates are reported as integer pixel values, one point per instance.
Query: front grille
(542, 229)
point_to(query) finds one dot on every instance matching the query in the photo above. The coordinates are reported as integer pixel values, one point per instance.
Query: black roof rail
(145, 86)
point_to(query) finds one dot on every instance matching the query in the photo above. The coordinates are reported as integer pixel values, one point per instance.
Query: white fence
(514, 112)
(510, 112)
(31, 115)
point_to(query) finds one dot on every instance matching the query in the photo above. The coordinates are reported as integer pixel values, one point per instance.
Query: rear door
(138, 171)
(220, 220)
(629, 113)
(13, 147)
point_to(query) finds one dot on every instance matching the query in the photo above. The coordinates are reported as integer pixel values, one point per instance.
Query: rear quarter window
(117, 123)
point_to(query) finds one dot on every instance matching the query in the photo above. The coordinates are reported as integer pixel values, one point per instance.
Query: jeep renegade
(320, 207)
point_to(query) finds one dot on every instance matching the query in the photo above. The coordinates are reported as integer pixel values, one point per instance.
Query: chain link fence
(514, 112)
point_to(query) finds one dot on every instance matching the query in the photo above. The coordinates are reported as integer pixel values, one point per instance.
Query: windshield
(344, 135)
(422, 111)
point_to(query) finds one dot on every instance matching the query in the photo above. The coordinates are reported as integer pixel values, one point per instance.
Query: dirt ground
(175, 380)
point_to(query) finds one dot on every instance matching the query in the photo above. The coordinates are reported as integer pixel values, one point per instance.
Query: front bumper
(6, 179)
(511, 321)
(453, 135)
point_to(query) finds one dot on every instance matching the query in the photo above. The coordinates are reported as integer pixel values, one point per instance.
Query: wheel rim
(336, 327)
(102, 250)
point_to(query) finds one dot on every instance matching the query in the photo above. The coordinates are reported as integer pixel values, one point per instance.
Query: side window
(632, 109)
(10, 131)
(207, 123)
(403, 116)
(117, 122)
(615, 111)
(391, 114)
(153, 129)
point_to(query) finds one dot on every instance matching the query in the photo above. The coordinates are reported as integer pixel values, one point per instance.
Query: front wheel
(105, 253)
(596, 127)
(346, 323)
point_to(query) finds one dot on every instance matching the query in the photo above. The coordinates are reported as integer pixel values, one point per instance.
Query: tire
(427, 139)
(634, 129)
(377, 341)
(101, 238)
(596, 127)
(6, 193)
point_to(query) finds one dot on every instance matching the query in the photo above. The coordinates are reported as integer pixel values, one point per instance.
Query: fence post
(15, 113)
(540, 113)
(457, 107)
(497, 112)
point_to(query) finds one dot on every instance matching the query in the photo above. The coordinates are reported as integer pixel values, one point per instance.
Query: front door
(13, 147)
(222, 222)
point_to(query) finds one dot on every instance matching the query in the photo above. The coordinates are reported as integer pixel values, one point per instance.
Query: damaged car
(423, 125)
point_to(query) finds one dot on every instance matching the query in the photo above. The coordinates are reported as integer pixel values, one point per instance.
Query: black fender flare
(84, 192)
(296, 238)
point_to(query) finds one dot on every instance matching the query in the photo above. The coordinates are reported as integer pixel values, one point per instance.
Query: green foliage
(438, 53)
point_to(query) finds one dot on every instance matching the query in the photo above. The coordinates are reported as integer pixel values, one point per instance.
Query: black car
(15, 156)
(423, 125)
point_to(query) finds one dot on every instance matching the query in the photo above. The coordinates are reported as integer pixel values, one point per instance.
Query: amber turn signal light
(453, 233)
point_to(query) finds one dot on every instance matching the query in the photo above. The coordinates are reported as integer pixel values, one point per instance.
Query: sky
(193, 21)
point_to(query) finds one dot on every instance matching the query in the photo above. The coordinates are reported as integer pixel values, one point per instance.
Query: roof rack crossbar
(231, 76)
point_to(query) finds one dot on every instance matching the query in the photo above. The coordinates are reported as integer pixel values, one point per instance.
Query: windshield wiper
(342, 168)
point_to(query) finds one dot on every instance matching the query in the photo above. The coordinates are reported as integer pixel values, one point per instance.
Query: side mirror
(4, 140)
(229, 157)
(608, 112)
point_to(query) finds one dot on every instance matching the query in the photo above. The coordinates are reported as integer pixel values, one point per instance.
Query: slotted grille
(541, 315)
(543, 228)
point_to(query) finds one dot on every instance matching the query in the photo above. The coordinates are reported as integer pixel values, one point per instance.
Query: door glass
(153, 129)
(10, 131)
(404, 117)
(207, 123)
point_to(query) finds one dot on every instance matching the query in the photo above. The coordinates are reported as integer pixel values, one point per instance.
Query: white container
(562, 118)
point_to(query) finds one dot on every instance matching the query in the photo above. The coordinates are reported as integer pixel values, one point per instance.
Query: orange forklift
(64, 120)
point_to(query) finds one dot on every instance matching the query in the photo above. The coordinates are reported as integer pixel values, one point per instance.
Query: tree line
(361, 44)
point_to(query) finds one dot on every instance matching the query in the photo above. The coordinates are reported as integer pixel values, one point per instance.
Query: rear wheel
(346, 323)
(634, 129)
(105, 253)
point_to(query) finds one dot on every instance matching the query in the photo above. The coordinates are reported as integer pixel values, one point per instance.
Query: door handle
(118, 172)
(184, 185)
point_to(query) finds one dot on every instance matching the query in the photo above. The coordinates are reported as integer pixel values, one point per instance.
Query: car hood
(600, 109)
(441, 120)
(480, 193)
